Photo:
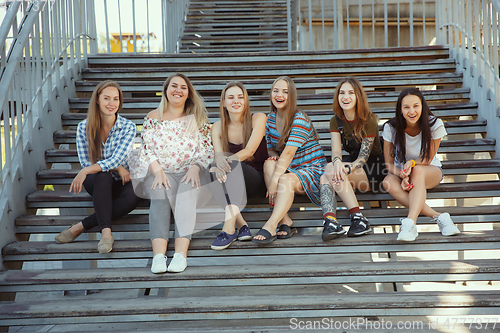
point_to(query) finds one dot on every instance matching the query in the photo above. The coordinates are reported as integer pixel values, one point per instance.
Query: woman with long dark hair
(103, 142)
(411, 141)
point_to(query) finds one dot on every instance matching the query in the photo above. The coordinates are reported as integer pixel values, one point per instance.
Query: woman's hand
(160, 179)
(336, 172)
(406, 185)
(405, 172)
(77, 183)
(222, 163)
(193, 176)
(348, 168)
(124, 174)
(272, 191)
(219, 174)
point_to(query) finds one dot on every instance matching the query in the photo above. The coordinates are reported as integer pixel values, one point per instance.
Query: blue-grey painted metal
(289, 23)
(473, 38)
(43, 59)
(360, 20)
(310, 26)
(348, 24)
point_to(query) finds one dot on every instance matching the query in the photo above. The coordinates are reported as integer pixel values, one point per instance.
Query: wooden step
(311, 219)
(273, 71)
(452, 127)
(299, 244)
(253, 275)
(150, 103)
(471, 167)
(441, 110)
(482, 303)
(476, 189)
(211, 50)
(294, 57)
(263, 85)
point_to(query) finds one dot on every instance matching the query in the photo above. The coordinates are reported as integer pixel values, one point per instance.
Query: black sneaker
(359, 226)
(331, 230)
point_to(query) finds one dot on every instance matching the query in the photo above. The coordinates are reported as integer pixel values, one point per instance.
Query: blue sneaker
(244, 233)
(223, 240)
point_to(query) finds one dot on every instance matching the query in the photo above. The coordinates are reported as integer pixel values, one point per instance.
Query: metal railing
(173, 15)
(43, 48)
(346, 24)
(473, 36)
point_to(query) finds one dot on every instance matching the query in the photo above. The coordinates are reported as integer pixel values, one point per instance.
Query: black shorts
(375, 172)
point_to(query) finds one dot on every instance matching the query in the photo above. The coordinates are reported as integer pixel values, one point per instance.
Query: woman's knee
(269, 166)
(389, 183)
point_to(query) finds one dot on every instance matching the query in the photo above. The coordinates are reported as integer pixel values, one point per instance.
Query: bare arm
(364, 153)
(258, 132)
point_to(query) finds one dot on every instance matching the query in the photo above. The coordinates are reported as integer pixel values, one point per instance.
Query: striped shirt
(114, 151)
(309, 160)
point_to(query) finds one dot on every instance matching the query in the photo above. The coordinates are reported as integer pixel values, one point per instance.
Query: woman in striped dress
(296, 160)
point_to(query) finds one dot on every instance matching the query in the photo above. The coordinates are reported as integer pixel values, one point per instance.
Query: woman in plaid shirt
(103, 142)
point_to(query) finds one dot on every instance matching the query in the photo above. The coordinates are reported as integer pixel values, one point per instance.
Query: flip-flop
(268, 237)
(289, 231)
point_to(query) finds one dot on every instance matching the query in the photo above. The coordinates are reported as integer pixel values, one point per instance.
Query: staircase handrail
(47, 52)
(473, 39)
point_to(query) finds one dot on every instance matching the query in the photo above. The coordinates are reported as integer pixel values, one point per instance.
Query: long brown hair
(194, 103)
(290, 111)
(362, 109)
(94, 119)
(246, 116)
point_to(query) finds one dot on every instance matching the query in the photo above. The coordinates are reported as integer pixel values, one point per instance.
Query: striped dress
(309, 161)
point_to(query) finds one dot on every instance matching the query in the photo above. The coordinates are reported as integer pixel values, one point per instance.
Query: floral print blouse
(175, 144)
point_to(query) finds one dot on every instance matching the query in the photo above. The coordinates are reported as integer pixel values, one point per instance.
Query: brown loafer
(105, 245)
(66, 236)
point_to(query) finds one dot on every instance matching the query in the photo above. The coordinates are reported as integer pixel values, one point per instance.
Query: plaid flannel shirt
(114, 151)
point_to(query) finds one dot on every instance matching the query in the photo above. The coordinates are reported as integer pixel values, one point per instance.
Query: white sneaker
(408, 231)
(445, 224)
(159, 264)
(178, 263)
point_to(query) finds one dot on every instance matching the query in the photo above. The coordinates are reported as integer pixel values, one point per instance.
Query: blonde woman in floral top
(176, 149)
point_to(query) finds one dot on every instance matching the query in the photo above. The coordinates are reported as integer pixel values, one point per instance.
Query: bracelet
(412, 163)
(348, 166)
(336, 158)
(198, 165)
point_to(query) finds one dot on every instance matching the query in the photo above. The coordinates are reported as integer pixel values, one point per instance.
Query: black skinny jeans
(247, 183)
(111, 198)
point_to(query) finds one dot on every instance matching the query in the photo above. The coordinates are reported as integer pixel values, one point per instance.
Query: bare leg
(77, 229)
(392, 184)
(232, 213)
(344, 191)
(240, 221)
(159, 246)
(106, 233)
(422, 177)
(182, 245)
(289, 184)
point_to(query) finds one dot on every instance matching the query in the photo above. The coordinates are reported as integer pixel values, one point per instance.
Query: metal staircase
(235, 26)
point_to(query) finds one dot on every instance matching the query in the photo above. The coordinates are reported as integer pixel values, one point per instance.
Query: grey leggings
(182, 199)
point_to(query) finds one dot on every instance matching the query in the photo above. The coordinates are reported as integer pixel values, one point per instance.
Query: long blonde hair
(194, 103)
(246, 116)
(290, 110)
(362, 109)
(94, 119)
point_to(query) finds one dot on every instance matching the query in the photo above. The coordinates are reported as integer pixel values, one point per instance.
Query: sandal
(289, 231)
(268, 237)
